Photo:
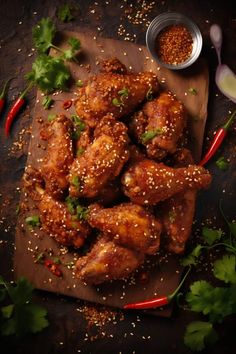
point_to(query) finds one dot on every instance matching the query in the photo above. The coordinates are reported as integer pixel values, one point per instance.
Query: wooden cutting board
(160, 275)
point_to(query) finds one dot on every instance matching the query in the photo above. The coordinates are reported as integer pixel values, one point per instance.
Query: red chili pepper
(3, 95)
(158, 301)
(218, 140)
(67, 104)
(53, 267)
(15, 109)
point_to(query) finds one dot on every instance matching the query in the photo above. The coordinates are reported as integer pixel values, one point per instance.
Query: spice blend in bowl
(174, 44)
(174, 40)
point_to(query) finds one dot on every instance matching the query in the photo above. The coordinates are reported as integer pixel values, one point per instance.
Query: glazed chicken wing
(147, 182)
(177, 212)
(59, 156)
(159, 125)
(129, 225)
(107, 261)
(116, 92)
(55, 218)
(102, 161)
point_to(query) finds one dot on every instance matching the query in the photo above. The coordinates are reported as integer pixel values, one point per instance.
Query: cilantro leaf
(21, 316)
(49, 73)
(21, 293)
(43, 34)
(7, 311)
(232, 227)
(192, 257)
(198, 334)
(210, 235)
(70, 53)
(47, 102)
(222, 163)
(74, 43)
(212, 301)
(64, 13)
(224, 269)
(36, 316)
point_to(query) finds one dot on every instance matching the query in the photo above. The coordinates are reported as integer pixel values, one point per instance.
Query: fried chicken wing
(177, 212)
(112, 92)
(129, 225)
(164, 120)
(148, 182)
(107, 261)
(59, 157)
(55, 218)
(177, 217)
(102, 161)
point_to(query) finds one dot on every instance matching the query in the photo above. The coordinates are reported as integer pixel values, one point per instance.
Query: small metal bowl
(173, 18)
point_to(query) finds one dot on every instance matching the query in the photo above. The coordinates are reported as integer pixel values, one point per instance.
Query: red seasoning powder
(174, 44)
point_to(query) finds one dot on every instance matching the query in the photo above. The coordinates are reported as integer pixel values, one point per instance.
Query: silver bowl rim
(176, 17)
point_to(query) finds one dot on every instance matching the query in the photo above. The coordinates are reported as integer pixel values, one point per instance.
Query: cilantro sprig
(64, 13)
(19, 315)
(216, 302)
(50, 73)
(43, 36)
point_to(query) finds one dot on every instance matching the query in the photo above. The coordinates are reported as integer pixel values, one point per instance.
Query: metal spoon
(225, 77)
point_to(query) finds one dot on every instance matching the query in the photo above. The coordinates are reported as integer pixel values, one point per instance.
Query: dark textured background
(68, 326)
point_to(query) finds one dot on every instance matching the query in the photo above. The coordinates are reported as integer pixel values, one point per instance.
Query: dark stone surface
(67, 325)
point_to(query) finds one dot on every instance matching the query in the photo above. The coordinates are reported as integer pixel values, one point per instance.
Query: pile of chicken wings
(118, 174)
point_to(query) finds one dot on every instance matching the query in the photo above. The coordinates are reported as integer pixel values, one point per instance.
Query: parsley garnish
(20, 315)
(47, 102)
(64, 13)
(150, 134)
(222, 163)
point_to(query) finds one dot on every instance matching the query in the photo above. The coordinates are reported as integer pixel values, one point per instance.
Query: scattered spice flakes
(97, 317)
(138, 13)
(20, 146)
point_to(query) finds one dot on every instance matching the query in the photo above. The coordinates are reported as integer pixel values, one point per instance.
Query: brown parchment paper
(161, 273)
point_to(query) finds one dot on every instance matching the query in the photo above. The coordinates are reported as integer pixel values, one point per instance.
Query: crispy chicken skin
(59, 157)
(177, 212)
(107, 261)
(113, 65)
(102, 161)
(129, 225)
(55, 218)
(177, 217)
(164, 115)
(96, 98)
(148, 182)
